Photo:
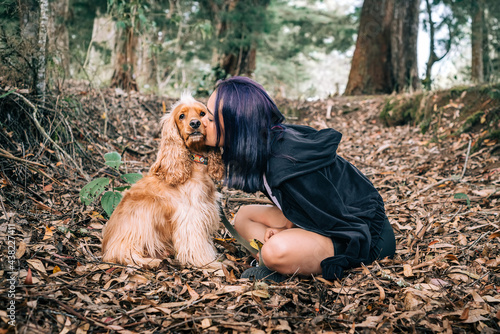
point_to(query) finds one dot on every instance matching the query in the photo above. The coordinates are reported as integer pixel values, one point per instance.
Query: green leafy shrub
(113, 196)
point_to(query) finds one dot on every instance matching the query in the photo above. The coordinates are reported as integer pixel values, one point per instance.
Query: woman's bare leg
(252, 221)
(297, 251)
(286, 250)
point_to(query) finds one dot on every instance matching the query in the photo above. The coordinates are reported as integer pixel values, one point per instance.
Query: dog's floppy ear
(215, 164)
(172, 163)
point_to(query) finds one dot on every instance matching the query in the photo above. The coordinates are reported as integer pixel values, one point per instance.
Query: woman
(326, 217)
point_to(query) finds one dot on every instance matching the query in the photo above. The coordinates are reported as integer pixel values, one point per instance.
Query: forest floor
(441, 198)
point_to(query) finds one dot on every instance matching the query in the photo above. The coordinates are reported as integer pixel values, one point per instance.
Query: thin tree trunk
(477, 66)
(241, 63)
(432, 47)
(42, 49)
(97, 66)
(29, 19)
(487, 67)
(433, 57)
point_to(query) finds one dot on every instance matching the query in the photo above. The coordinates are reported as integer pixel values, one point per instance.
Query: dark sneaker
(258, 273)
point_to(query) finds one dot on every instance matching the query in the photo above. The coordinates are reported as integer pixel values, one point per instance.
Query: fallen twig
(250, 199)
(8, 155)
(428, 263)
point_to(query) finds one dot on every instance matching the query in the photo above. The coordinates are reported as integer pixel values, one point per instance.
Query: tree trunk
(370, 66)
(240, 57)
(433, 57)
(487, 68)
(404, 36)
(432, 47)
(29, 20)
(477, 66)
(58, 34)
(42, 49)
(100, 59)
(385, 57)
(147, 67)
(240, 63)
(29, 14)
(125, 59)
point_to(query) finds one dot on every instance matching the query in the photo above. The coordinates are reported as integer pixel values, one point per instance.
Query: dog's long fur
(174, 209)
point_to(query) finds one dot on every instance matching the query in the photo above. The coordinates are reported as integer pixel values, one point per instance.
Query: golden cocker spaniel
(174, 209)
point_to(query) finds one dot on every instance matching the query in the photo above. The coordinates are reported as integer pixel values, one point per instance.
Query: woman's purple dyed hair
(249, 115)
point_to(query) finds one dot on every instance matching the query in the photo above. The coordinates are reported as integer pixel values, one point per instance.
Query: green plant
(463, 196)
(111, 198)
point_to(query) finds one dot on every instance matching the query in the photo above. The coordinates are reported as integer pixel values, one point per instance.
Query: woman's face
(209, 123)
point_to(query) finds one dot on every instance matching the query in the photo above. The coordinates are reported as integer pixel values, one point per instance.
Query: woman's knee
(280, 252)
(274, 254)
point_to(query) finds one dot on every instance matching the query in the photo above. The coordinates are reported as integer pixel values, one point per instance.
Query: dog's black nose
(195, 123)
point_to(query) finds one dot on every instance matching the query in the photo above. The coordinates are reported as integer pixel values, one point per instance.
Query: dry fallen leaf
(410, 302)
(194, 295)
(205, 323)
(381, 292)
(371, 321)
(37, 265)
(407, 270)
(49, 233)
(21, 250)
(258, 293)
(439, 282)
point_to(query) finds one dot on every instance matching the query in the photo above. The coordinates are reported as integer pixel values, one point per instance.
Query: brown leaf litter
(444, 278)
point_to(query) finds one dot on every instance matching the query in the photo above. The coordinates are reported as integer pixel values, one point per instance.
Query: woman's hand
(272, 231)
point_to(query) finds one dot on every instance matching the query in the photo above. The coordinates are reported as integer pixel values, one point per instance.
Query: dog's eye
(202, 113)
(181, 116)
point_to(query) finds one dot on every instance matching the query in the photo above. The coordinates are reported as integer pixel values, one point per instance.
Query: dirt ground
(441, 197)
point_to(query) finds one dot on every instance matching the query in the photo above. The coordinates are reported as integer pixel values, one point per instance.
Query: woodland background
(412, 85)
(288, 46)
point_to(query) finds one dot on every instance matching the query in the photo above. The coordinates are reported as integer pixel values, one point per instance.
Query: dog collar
(198, 158)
